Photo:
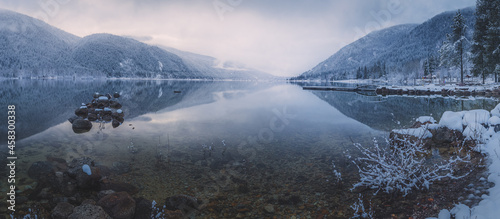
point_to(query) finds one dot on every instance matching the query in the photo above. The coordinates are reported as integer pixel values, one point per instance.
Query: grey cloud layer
(283, 37)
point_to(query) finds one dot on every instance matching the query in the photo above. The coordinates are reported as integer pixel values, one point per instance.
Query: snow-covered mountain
(30, 47)
(124, 57)
(218, 68)
(398, 49)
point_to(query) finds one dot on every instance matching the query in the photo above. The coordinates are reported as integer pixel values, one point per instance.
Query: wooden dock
(349, 89)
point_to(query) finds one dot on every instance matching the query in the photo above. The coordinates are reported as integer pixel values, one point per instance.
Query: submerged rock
(83, 180)
(115, 123)
(101, 109)
(143, 208)
(118, 205)
(86, 211)
(72, 119)
(82, 112)
(187, 204)
(92, 117)
(115, 105)
(103, 193)
(62, 210)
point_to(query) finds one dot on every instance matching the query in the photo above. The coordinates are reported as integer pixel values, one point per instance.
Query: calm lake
(243, 149)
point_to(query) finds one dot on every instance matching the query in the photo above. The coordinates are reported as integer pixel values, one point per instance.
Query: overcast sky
(282, 37)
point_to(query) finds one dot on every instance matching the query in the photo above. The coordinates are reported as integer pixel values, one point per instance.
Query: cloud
(283, 37)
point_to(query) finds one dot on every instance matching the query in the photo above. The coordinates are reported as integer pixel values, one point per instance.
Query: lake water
(244, 149)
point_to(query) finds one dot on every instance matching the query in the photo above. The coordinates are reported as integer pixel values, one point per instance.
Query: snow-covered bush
(359, 209)
(337, 174)
(401, 168)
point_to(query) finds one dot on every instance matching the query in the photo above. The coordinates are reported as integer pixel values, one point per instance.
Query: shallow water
(239, 147)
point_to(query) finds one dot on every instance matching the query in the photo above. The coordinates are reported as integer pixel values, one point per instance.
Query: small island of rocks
(102, 108)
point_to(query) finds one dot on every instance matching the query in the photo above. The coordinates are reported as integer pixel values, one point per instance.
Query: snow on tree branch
(401, 168)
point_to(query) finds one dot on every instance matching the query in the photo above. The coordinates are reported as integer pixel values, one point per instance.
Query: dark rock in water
(83, 180)
(75, 166)
(119, 119)
(118, 187)
(143, 208)
(103, 193)
(115, 105)
(81, 126)
(88, 202)
(72, 119)
(115, 123)
(82, 112)
(62, 210)
(107, 118)
(40, 169)
(187, 204)
(497, 128)
(100, 109)
(92, 117)
(116, 115)
(107, 111)
(116, 95)
(86, 211)
(118, 205)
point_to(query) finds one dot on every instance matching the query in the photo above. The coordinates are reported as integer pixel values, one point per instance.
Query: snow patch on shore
(489, 207)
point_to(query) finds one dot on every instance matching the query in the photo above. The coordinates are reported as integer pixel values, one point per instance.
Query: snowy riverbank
(444, 90)
(483, 126)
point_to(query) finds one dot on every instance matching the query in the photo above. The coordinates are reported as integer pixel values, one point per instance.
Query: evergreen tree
(459, 39)
(453, 49)
(432, 64)
(359, 75)
(493, 37)
(425, 66)
(486, 47)
(478, 46)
